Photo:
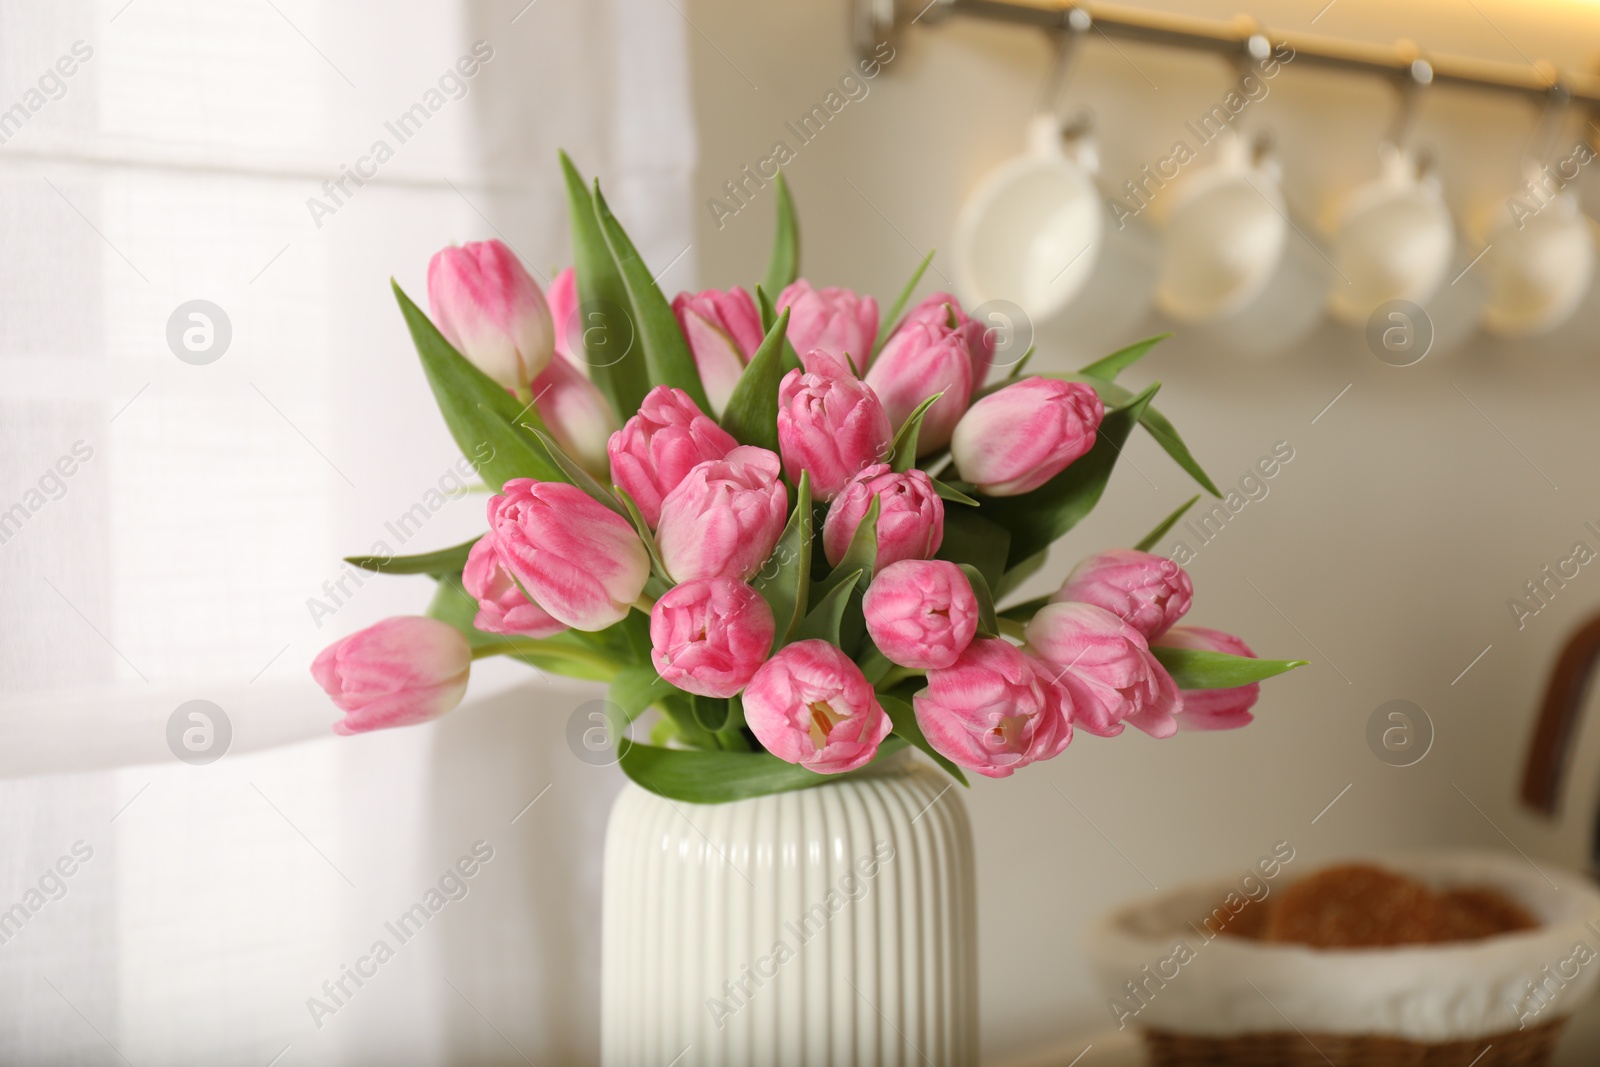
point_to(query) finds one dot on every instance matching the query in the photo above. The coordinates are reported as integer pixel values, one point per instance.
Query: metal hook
(1068, 37)
(1546, 136)
(1417, 77)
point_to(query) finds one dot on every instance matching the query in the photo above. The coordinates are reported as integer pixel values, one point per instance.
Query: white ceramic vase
(833, 925)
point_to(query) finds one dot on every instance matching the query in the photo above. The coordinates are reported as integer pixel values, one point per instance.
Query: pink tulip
(723, 330)
(710, 635)
(1107, 670)
(922, 359)
(938, 309)
(830, 423)
(921, 613)
(990, 713)
(910, 515)
(1213, 709)
(1017, 438)
(835, 320)
(1149, 592)
(655, 448)
(580, 560)
(489, 307)
(562, 297)
(400, 672)
(502, 608)
(810, 704)
(577, 415)
(725, 517)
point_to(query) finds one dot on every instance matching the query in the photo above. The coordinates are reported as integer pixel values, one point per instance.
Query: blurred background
(196, 153)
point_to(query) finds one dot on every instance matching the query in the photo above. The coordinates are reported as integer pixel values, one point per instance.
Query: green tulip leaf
(955, 494)
(823, 621)
(969, 537)
(752, 412)
(631, 512)
(479, 413)
(1016, 370)
(609, 348)
(710, 712)
(444, 561)
(717, 777)
(666, 353)
(789, 359)
(785, 579)
(891, 318)
(1149, 540)
(903, 452)
(1110, 366)
(1194, 668)
(860, 556)
(574, 472)
(904, 717)
(783, 267)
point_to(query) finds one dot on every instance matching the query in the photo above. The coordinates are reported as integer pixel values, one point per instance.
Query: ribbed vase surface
(834, 925)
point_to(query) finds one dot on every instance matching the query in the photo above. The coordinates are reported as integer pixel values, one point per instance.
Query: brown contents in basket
(1361, 906)
(1471, 914)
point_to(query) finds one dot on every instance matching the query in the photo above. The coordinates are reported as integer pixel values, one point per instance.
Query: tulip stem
(523, 646)
(645, 604)
(524, 394)
(895, 676)
(1013, 628)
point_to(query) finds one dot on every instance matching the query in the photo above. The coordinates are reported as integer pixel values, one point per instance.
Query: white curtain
(170, 530)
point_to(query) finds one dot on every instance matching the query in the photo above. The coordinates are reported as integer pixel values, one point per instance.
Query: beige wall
(1387, 548)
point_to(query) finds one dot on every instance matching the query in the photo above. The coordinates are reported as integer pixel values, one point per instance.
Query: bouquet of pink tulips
(660, 474)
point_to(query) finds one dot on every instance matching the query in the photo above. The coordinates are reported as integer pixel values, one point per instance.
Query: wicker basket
(1532, 1047)
(1232, 1002)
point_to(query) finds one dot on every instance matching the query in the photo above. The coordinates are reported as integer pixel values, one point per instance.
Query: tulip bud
(922, 359)
(921, 613)
(835, 320)
(502, 607)
(937, 309)
(489, 307)
(1149, 592)
(810, 704)
(1017, 438)
(725, 517)
(580, 560)
(723, 330)
(577, 415)
(655, 448)
(910, 515)
(400, 672)
(562, 299)
(830, 424)
(1213, 709)
(1107, 670)
(709, 635)
(989, 711)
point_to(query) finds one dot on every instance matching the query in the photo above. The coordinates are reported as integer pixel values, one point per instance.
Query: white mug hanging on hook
(1390, 238)
(1037, 231)
(1539, 263)
(1233, 263)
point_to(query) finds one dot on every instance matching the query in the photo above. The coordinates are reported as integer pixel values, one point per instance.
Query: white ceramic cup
(1539, 267)
(1232, 263)
(1038, 232)
(1390, 239)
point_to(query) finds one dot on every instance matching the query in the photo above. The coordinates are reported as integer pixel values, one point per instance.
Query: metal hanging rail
(1542, 82)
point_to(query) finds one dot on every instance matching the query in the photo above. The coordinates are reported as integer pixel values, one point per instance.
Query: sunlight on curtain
(171, 529)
